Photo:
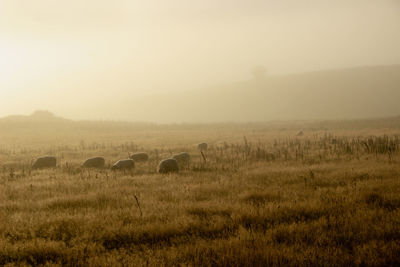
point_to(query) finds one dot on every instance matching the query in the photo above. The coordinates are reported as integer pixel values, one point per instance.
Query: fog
(153, 60)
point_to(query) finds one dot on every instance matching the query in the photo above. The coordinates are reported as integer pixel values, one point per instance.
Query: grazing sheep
(168, 165)
(183, 158)
(202, 146)
(97, 162)
(139, 157)
(45, 162)
(123, 164)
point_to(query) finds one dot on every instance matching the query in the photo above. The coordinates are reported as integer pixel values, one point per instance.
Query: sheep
(45, 162)
(123, 164)
(97, 162)
(139, 157)
(202, 146)
(168, 166)
(301, 133)
(183, 158)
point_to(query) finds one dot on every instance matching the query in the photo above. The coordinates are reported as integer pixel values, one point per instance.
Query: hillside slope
(357, 93)
(363, 92)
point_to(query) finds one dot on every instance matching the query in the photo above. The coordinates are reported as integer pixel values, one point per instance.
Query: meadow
(262, 196)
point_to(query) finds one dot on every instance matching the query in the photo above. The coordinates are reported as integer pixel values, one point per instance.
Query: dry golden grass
(269, 198)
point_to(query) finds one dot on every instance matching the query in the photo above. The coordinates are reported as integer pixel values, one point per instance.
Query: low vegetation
(256, 197)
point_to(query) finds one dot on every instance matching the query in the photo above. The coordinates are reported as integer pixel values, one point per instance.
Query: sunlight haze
(125, 60)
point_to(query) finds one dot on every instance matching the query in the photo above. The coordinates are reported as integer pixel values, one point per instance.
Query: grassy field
(264, 196)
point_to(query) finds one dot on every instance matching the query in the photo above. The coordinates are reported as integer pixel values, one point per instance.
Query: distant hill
(37, 117)
(41, 122)
(364, 92)
(354, 93)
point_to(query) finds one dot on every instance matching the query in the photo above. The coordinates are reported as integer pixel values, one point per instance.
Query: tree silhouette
(259, 72)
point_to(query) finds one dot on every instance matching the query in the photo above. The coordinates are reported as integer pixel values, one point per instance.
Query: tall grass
(259, 199)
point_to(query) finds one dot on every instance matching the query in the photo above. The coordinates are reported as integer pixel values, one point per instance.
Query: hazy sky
(80, 58)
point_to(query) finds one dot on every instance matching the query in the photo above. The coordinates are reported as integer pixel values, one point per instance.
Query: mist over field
(200, 133)
(181, 61)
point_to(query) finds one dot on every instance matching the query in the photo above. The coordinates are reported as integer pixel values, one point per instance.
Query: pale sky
(79, 59)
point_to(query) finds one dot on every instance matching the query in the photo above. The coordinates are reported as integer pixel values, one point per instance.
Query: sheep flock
(168, 165)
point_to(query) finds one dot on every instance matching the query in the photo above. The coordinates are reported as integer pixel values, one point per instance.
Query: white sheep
(45, 162)
(202, 146)
(139, 157)
(183, 159)
(168, 165)
(123, 164)
(96, 162)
